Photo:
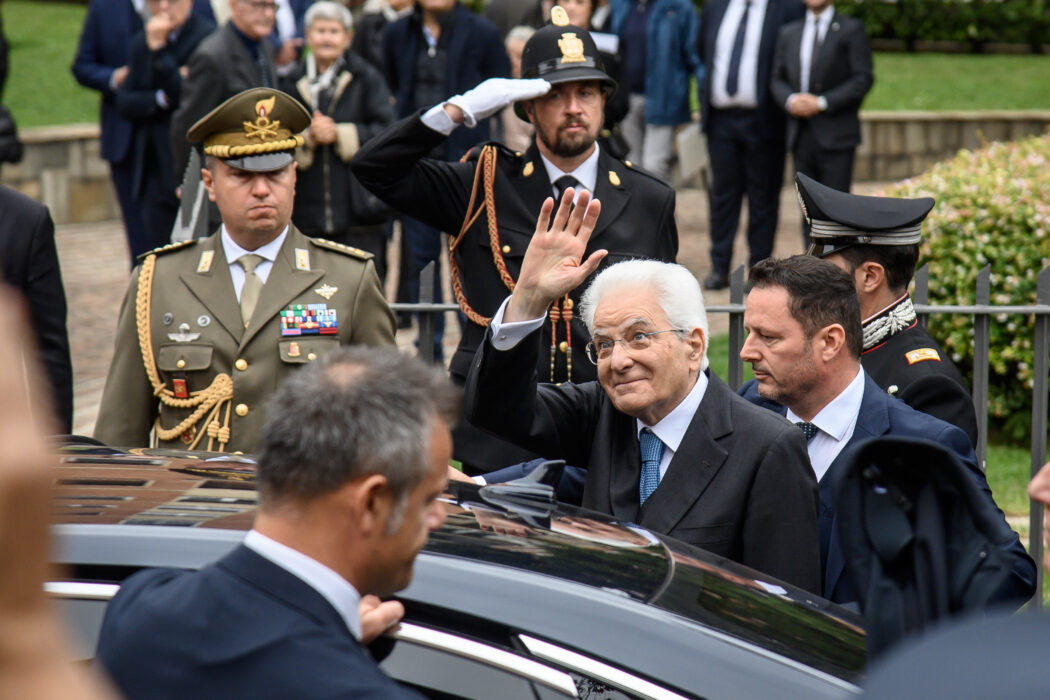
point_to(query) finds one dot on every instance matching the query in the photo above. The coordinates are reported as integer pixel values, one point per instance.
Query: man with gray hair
(665, 442)
(352, 459)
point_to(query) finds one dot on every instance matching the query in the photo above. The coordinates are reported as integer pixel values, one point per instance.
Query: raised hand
(553, 265)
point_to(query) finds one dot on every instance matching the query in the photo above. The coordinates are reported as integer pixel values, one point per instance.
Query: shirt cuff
(506, 336)
(437, 119)
(162, 99)
(480, 480)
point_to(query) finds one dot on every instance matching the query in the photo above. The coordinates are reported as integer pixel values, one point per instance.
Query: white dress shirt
(814, 23)
(672, 427)
(586, 173)
(836, 422)
(747, 85)
(268, 253)
(334, 588)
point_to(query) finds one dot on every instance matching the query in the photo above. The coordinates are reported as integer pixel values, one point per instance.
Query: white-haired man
(666, 444)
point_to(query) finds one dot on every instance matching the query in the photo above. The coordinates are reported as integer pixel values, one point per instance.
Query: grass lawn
(40, 87)
(959, 81)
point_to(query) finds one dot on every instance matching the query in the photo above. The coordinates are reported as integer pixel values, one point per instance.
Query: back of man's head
(356, 411)
(675, 287)
(819, 294)
(898, 261)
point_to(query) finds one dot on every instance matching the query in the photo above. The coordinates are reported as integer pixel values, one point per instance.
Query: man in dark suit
(238, 56)
(29, 263)
(821, 73)
(346, 501)
(665, 443)
(149, 94)
(744, 125)
(101, 64)
(898, 353)
(564, 100)
(804, 344)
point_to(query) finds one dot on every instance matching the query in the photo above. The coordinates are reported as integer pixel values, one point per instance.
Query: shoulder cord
(487, 163)
(207, 401)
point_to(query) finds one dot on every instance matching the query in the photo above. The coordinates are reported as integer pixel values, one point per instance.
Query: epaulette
(344, 249)
(475, 152)
(164, 249)
(638, 171)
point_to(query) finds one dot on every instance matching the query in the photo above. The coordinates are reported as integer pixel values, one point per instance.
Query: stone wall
(62, 167)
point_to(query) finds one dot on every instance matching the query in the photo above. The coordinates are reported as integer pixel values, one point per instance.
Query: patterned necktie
(733, 77)
(563, 183)
(808, 429)
(253, 284)
(651, 450)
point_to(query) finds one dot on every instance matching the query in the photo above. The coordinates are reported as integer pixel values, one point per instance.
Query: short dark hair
(356, 411)
(820, 294)
(899, 261)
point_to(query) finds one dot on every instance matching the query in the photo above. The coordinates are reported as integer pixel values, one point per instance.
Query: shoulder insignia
(614, 179)
(922, 355)
(528, 169)
(628, 164)
(164, 249)
(204, 264)
(340, 248)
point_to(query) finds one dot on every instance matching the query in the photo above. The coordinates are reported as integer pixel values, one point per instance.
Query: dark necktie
(264, 69)
(808, 429)
(652, 450)
(733, 78)
(813, 54)
(563, 183)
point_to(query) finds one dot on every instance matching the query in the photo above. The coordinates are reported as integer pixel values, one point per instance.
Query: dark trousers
(833, 168)
(747, 157)
(421, 244)
(122, 173)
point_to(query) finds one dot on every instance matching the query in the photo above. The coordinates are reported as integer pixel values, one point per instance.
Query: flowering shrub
(993, 208)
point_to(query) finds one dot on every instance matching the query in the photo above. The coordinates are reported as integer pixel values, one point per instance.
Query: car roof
(207, 499)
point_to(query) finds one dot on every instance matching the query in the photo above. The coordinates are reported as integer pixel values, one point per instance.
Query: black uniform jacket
(740, 484)
(912, 366)
(637, 221)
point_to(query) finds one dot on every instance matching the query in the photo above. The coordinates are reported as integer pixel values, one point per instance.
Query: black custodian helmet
(561, 53)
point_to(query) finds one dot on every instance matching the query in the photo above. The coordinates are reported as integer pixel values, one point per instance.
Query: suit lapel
(613, 197)
(537, 186)
(284, 282)
(696, 462)
(824, 52)
(214, 288)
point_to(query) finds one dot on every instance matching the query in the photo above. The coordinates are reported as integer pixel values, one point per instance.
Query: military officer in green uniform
(210, 328)
(876, 240)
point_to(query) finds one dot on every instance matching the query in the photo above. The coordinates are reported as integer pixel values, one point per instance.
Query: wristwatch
(822, 103)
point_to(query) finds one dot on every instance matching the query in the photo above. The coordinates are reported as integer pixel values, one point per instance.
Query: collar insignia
(204, 264)
(302, 259)
(614, 178)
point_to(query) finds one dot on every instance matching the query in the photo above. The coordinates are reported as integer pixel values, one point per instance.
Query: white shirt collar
(837, 421)
(334, 588)
(672, 427)
(823, 19)
(586, 173)
(267, 252)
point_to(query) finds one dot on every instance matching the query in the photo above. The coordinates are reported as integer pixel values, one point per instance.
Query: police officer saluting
(489, 204)
(876, 240)
(210, 328)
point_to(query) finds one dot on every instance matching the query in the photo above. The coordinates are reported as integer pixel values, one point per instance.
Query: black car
(514, 597)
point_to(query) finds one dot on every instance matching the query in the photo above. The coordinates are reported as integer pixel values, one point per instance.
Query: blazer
(104, 43)
(881, 414)
(219, 69)
(778, 13)
(739, 485)
(841, 73)
(29, 264)
(192, 287)
(148, 72)
(241, 627)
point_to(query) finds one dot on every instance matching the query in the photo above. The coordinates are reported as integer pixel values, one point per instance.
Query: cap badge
(263, 128)
(559, 17)
(802, 206)
(571, 48)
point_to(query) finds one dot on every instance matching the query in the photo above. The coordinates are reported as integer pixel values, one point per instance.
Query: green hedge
(993, 208)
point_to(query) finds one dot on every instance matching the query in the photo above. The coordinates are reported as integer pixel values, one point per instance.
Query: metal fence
(982, 312)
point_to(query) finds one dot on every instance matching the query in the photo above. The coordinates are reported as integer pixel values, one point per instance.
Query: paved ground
(95, 269)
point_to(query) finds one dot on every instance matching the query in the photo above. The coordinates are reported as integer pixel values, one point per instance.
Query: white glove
(494, 94)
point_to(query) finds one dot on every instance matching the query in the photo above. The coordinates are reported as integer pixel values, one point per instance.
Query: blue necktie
(733, 78)
(652, 450)
(808, 429)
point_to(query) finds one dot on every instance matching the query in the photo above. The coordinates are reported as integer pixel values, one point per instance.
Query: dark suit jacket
(841, 73)
(881, 414)
(778, 13)
(29, 263)
(219, 69)
(104, 42)
(148, 72)
(242, 627)
(739, 485)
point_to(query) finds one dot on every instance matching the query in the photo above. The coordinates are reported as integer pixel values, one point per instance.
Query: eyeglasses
(260, 5)
(602, 348)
